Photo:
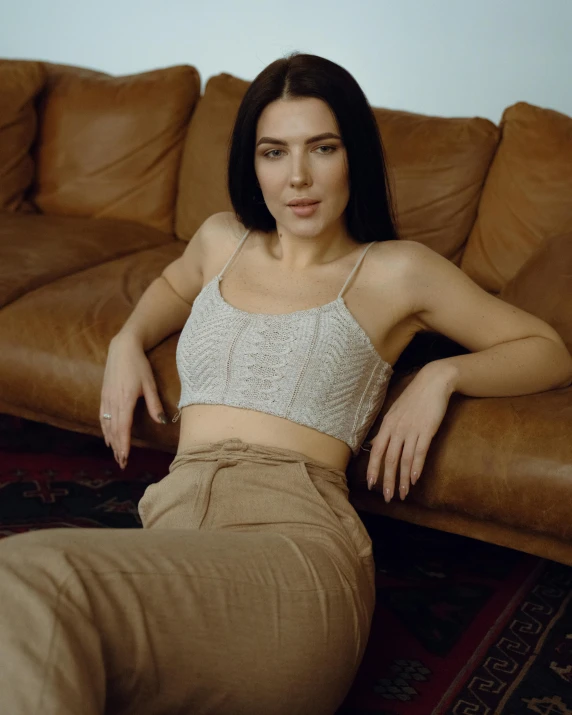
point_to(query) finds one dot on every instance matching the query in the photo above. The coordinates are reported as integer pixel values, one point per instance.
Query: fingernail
(369, 482)
(163, 418)
(386, 494)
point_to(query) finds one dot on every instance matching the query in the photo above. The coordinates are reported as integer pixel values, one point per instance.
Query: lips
(305, 210)
(303, 202)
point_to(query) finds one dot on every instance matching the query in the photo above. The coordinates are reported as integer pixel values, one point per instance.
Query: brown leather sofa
(103, 180)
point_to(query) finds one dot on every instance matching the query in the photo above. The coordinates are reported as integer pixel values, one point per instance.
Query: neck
(301, 253)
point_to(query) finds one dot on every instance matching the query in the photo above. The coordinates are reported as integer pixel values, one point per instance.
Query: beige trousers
(249, 591)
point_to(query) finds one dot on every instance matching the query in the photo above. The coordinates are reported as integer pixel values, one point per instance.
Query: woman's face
(288, 165)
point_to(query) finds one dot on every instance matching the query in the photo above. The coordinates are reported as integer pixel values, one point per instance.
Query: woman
(251, 587)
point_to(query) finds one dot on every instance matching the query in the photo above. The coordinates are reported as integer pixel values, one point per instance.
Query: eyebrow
(318, 137)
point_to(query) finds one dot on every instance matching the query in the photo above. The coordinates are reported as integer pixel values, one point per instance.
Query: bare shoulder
(401, 253)
(396, 268)
(220, 234)
(223, 226)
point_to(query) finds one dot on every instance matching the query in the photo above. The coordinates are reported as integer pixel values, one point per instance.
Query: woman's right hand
(128, 376)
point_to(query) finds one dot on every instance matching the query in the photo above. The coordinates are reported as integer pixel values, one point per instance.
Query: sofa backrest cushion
(543, 287)
(437, 167)
(111, 146)
(527, 197)
(202, 181)
(20, 83)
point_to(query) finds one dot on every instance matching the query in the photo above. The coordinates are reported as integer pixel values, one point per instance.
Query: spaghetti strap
(235, 252)
(360, 259)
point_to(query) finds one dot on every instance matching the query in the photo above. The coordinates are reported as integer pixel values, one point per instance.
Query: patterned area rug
(461, 627)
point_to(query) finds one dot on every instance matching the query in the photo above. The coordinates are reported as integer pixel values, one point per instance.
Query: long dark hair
(370, 213)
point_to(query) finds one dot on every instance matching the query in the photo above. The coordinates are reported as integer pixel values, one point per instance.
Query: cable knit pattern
(316, 367)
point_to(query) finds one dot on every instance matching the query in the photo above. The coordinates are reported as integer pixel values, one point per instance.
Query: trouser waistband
(250, 451)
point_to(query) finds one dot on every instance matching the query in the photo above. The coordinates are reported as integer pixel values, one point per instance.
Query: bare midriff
(201, 424)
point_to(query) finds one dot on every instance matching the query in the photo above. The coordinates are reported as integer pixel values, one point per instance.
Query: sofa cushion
(55, 71)
(543, 285)
(437, 167)
(55, 339)
(111, 146)
(20, 83)
(504, 461)
(527, 197)
(36, 250)
(202, 181)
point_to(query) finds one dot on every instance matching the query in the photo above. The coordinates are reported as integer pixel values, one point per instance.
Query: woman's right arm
(163, 309)
(165, 306)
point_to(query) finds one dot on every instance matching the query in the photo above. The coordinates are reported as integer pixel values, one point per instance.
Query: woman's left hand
(408, 428)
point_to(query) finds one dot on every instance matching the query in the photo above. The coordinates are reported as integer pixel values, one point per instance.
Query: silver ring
(106, 416)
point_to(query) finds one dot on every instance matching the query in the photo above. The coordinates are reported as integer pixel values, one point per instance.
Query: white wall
(445, 57)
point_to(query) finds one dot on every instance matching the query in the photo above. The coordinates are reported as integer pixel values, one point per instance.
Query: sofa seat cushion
(55, 339)
(36, 250)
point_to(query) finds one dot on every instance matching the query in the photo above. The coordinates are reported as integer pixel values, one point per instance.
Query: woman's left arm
(513, 353)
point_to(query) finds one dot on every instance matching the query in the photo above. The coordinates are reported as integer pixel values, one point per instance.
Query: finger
(106, 435)
(104, 423)
(407, 458)
(421, 450)
(378, 447)
(122, 436)
(391, 462)
(154, 406)
(111, 429)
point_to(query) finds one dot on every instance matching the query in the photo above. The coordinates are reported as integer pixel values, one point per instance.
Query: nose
(300, 174)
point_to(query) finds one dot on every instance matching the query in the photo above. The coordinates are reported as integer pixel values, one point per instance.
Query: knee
(37, 569)
(34, 553)
(54, 538)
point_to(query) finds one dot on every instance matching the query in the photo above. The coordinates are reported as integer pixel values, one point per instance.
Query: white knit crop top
(316, 367)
